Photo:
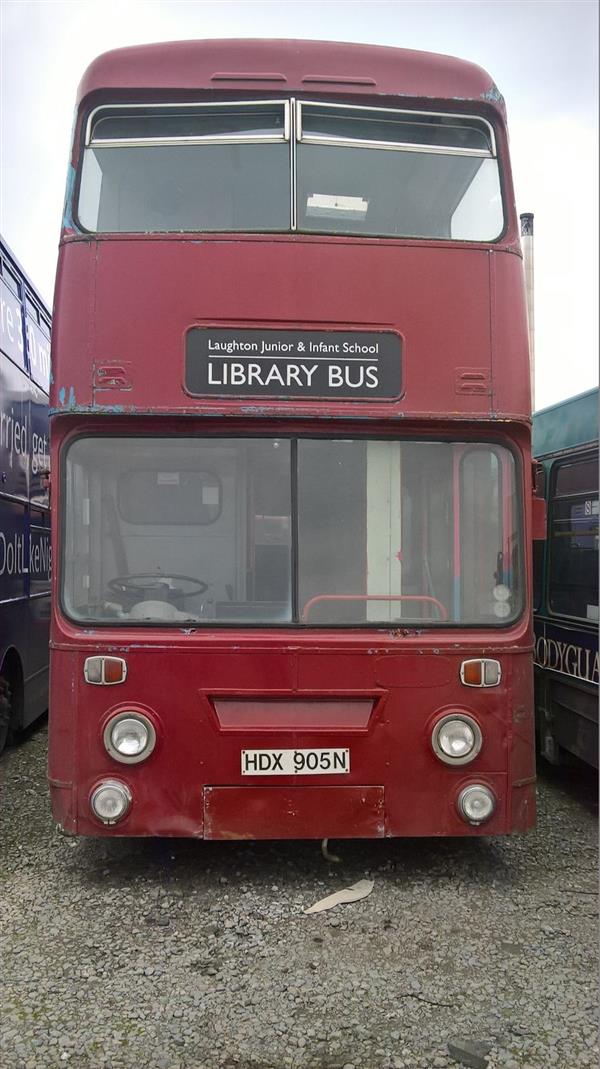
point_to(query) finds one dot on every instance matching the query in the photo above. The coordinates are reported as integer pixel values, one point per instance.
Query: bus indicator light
(480, 673)
(105, 671)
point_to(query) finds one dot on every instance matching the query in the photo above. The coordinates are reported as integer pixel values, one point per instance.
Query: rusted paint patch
(522, 714)
(66, 402)
(493, 95)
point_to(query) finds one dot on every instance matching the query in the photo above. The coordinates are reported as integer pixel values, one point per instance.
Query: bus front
(291, 429)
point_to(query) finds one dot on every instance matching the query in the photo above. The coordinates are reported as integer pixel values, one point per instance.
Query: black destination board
(336, 364)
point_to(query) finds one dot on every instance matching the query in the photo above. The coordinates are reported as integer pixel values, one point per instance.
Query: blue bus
(565, 444)
(24, 499)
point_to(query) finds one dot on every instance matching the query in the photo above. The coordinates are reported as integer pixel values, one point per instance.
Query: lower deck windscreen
(274, 531)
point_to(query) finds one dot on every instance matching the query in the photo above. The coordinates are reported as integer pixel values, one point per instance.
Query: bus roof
(280, 65)
(566, 425)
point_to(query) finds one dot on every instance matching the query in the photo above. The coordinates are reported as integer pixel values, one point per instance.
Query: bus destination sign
(357, 365)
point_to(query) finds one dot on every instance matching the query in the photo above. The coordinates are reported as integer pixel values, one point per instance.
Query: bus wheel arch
(11, 697)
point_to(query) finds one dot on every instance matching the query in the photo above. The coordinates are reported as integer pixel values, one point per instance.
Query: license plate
(295, 762)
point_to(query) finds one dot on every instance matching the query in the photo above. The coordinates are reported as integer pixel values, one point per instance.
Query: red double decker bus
(291, 438)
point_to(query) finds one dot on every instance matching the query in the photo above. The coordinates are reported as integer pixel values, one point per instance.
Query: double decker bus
(565, 442)
(24, 505)
(291, 430)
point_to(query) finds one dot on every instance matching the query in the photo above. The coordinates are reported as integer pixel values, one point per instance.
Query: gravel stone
(121, 953)
(470, 1052)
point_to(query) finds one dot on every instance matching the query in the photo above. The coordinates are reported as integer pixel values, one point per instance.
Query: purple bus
(24, 499)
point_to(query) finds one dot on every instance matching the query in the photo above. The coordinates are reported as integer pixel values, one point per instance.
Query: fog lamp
(110, 801)
(456, 739)
(129, 737)
(476, 803)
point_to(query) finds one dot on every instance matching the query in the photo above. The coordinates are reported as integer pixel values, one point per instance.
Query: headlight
(456, 739)
(129, 737)
(111, 801)
(476, 803)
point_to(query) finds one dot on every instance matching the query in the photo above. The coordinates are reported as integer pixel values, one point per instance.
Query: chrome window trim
(394, 146)
(294, 115)
(215, 139)
(341, 142)
(285, 135)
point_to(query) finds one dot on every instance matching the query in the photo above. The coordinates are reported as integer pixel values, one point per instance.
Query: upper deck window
(171, 124)
(187, 168)
(285, 165)
(381, 172)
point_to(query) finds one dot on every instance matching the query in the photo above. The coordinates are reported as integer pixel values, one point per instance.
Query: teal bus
(565, 445)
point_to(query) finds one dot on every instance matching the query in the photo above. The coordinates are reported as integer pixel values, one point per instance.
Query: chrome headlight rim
(463, 797)
(465, 718)
(113, 784)
(118, 718)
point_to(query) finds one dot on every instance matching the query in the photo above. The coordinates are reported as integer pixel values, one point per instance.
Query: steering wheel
(148, 582)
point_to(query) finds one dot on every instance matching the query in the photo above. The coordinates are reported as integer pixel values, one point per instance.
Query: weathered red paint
(180, 677)
(294, 812)
(123, 305)
(281, 67)
(129, 302)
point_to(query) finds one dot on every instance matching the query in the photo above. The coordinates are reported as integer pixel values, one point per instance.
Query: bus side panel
(24, 505)
(568, 711)
(566, 690)
(521, 815)
(510, 358)
(63, 740)
(73, 326)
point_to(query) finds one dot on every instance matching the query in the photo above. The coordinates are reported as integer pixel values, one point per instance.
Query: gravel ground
(173, 954)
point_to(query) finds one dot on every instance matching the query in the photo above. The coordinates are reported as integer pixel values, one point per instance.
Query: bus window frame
(18, 291)
(551, 500)
(6, 272)
(28, 305)
(298, 626)
(292, 137)
(197, 139)
(394, 146)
